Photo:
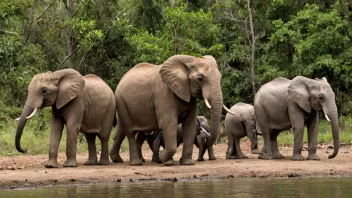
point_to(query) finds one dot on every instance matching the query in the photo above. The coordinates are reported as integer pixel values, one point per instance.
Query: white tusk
(35, 110)
(228, 110)
(207, 103)
(205, 131)
(17, 119)
(327, 117)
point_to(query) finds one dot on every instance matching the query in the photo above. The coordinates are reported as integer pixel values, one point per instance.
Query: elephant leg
(267, 150)
(201, 146)
(140, 138)
(104, 155)
(274, 145)
(117, 141)
(189, 134)
(169, 134)
(211, 153)
(71, 144)
(92, 151)
(134, 158)
(313, 128)
(231, 149)
(239, 153)
(156, 149)
(254, 147)
(57, 127)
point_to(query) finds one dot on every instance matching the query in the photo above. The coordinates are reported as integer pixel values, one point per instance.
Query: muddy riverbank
(28, 171)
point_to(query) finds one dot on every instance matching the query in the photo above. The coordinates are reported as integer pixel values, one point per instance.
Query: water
(300, 187)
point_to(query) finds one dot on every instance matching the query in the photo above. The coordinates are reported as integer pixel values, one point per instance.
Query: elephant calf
(238, 126)
(156, 139)
(83, 103)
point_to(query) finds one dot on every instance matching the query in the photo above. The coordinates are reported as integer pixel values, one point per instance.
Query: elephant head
(317, 94)
(49, 89)
(189, 76)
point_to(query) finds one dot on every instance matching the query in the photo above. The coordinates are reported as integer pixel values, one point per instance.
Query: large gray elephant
(283, 104)
(156, 139)
(238, 126)
(85, 104)
(152, 97)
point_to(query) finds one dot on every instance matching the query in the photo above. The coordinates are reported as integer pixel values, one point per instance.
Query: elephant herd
(158, 104)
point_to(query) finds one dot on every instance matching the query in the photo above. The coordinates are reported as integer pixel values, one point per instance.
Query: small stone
(118, 180)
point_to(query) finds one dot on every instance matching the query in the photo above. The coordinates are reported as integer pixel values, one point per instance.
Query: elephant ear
(174, 73)
(70, 84)
(298, 92)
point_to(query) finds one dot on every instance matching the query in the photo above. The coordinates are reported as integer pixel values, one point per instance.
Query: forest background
(252, 41)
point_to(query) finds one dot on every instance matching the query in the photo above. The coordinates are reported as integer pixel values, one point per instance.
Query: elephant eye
(320, 97)
(200, 78)
(44, 90)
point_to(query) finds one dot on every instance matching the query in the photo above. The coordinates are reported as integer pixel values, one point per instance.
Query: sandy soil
(28, 171)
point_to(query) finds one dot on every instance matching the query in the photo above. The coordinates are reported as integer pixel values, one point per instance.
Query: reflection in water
(320, 187)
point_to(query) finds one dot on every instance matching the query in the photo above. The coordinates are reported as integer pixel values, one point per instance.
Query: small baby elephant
(155, 139)
(238, 126)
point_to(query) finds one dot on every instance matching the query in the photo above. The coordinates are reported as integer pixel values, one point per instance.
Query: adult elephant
(156, 139)
(283, 104)
(238, 126)
(152, 97)
(85, 104)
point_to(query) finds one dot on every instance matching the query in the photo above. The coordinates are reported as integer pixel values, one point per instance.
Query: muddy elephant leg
(140, 138)
(313, 128)
(92, 151)
(239, 153)
(274, 145)
(57, 127)
(115, 149)
(71, 143)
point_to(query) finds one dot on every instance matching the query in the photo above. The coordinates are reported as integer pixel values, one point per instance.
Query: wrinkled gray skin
(152, 97)
(155, 140)
(283, 104)
(85, 104)
(238, 126)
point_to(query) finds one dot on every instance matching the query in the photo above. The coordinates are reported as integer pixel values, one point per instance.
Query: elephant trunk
(333, 115)
(215, 113)
(27, 110)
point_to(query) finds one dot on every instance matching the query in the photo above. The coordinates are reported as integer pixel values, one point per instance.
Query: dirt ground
(28, 171)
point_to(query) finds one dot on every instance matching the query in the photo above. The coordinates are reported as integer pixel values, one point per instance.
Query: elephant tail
(115, 120)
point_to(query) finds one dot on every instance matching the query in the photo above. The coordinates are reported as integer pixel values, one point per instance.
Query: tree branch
(7, 32)
(69, 56)
(47, 8)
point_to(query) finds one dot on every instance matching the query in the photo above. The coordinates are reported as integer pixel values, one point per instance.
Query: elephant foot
(136, 162)
(241, 156)
(231, 157)
(165, 157)
(200, 159)
(156, 159)
(186, 161)
(91, 162)
(278, 156)
(116, 158)
(169, 163)
(70, 163)
(255, 151)
(313, 157)
(212, 157)
(265, 156)
(51, 164)
(298, 157)
(104, 162)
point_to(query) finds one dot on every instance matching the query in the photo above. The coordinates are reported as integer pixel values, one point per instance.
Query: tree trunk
(69, 38)
(252, 58)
